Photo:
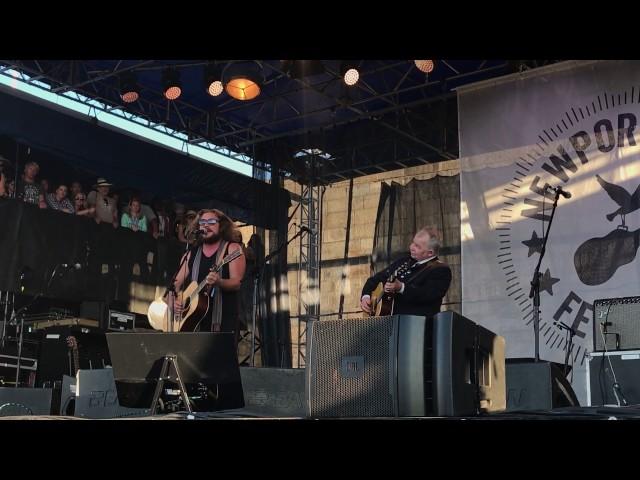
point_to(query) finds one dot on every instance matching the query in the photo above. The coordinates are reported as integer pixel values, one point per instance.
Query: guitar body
(195, 308)
(381, 302)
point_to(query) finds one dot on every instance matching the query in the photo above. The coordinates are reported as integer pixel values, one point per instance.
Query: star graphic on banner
(535, 244)
(547, 281)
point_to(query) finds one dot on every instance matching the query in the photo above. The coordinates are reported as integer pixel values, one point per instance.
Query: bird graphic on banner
(628, 203)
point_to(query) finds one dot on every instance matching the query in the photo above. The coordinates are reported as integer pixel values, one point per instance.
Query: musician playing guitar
(422, 279)
(216, 233)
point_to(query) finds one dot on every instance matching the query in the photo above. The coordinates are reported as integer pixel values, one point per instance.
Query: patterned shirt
(65, 203)
(28, 192)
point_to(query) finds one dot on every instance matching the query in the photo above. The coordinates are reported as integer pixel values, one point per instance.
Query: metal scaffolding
(309, 259)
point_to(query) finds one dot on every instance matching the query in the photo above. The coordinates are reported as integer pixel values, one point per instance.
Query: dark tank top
(229, 299)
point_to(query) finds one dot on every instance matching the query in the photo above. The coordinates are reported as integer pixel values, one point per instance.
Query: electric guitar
(195, 307)
(74, 358)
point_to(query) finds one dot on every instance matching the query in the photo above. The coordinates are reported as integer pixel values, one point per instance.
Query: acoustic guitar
(195, 307)
(381, 301)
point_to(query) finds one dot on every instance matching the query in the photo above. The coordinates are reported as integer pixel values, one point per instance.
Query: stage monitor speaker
(204, 358)
(24, 401)
(602, 368)
(537, 386)
(273, 392)
(402, 365)
(616, 321)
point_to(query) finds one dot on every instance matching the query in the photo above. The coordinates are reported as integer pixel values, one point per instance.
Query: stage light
(213, 80)
(350, 73)
(129, 89)
(425, 66)
(243, 80)
(171, 84)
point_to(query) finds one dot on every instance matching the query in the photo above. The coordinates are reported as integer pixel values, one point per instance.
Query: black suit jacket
(424, 287)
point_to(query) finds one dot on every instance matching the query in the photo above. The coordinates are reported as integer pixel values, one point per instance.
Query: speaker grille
(350, 374)
(624, 316)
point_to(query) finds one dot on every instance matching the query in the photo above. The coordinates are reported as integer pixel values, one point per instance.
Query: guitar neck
(216, 268)
(76, 360)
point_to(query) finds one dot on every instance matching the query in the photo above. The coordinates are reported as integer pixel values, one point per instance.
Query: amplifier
(121, 320)
(616, 324)
(56, 358)
(604, 369)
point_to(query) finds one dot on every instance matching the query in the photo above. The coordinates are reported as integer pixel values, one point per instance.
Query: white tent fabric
(572, 125)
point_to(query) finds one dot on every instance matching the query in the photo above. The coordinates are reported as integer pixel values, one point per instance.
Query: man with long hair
(216, 233)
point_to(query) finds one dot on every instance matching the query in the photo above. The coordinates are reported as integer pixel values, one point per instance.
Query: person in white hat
(106, 208)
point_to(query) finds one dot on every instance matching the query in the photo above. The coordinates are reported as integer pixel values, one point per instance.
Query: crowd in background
(122, 208)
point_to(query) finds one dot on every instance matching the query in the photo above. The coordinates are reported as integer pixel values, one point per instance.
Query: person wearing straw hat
(106, 208)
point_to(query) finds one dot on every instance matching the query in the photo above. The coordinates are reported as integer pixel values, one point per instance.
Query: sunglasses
(80, 198)
(209, 221)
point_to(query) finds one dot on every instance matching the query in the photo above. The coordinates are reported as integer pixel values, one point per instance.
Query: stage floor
(568, 413)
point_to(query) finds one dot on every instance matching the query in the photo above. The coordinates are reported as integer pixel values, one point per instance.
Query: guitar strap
(434, 262)
(216, 303)
(195, 271)
(216, 323)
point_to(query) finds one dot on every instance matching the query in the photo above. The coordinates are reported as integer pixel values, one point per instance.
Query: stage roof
(396, 116)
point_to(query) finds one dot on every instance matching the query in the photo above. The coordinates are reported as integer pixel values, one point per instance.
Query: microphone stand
(535, 282)
(258, 272)
(572, 332)
(171, 288)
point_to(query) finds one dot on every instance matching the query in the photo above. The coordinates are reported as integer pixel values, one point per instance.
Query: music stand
(150, 359)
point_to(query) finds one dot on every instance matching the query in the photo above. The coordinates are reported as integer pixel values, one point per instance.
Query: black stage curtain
(33, 241)
(402, 210)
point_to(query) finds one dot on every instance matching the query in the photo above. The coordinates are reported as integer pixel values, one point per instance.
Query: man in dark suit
(422, 279)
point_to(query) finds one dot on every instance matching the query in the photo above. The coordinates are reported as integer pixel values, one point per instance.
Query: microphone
(559, 191)
(304, 228)
(71, 266)
(564, 326)
(199, 232)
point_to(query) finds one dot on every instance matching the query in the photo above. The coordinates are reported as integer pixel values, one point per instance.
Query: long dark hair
(227, 227)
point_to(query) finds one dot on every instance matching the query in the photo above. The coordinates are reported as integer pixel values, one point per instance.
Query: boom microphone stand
(171, 288)
(535, 282)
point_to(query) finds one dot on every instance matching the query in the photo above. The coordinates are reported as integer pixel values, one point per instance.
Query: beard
(213, 239)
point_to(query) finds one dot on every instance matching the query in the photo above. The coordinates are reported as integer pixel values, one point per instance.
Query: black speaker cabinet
(274, 392)
(537, 386)
(24, 401)
(56, 358)
(602, 368)
(402, 365)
